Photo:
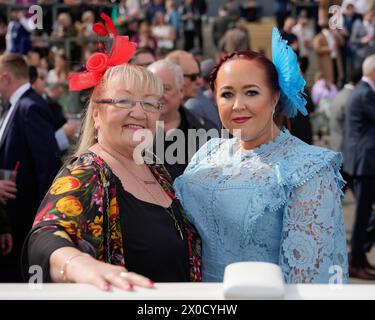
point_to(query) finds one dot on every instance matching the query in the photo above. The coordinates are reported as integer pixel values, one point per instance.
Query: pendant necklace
(169, 210)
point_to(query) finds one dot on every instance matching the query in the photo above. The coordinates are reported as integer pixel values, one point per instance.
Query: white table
(174, 291)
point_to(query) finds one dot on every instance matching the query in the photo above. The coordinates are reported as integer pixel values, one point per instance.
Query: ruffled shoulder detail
(300, 162)
(271, 171)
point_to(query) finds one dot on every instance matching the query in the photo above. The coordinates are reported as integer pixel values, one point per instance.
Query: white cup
(8, 175)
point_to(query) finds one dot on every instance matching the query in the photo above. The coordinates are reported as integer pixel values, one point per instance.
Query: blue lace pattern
(279, 203)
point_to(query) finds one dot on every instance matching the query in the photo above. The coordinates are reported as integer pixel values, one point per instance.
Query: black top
(153, 247)
(177, 169)
(189, 120)
(290, 38)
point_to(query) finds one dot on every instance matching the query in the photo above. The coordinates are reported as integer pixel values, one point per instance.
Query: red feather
(109, 24)
(100, 29)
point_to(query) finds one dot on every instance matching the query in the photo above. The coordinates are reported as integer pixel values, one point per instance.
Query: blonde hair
(87, 15)
(65, 19)
(133, 78)
(15, 64)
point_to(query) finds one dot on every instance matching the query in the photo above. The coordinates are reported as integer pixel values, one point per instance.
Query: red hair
(268, 66)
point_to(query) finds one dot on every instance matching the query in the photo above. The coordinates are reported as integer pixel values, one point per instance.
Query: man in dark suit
(27, 137)
(359, 162)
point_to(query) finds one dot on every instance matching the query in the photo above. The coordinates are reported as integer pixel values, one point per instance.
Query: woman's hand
(85, 269)
(102, 275)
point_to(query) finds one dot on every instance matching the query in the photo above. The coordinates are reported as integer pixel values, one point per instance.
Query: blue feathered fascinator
(291, 81)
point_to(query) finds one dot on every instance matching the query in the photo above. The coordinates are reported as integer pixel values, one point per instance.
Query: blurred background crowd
(330, 45)
(207, 29)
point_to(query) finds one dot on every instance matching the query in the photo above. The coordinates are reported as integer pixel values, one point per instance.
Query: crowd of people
(77, 202)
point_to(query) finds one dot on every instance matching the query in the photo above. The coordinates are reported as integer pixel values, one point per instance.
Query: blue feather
(291, 81)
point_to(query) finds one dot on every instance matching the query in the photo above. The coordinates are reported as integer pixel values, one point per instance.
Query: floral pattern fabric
(81, 210)
(278, 203)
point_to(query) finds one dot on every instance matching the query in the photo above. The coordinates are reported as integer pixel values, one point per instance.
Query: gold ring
(123, 274)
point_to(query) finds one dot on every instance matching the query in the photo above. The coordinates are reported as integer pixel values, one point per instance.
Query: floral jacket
(81, 208)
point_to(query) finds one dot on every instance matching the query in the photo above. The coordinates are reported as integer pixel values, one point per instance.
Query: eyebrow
(124, 91)
(244, 87)
(145, 96)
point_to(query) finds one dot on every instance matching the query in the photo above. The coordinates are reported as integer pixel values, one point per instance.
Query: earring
(96, 132)
(273, 113)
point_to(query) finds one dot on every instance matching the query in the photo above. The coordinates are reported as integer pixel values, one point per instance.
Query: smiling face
(245, 100)
(117, 125)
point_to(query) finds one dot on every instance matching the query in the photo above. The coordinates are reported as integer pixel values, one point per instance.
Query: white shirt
(52, 76)
(60, 136)
(163, 33)
(331, 42)
(360, 6)
(370, 82)
(303, 34)
(13, 101)
(349, 86)
(8, 36)
(133, 7)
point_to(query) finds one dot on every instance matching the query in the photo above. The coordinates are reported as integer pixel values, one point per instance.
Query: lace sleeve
(313, 242)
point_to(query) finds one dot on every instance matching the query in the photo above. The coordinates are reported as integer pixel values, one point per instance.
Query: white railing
(175, 291)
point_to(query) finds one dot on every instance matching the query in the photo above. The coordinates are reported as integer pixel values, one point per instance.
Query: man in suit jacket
(18, 33)
(362, 39)
(27, 137)
(359, 156)
(221, 24)
(337, 109)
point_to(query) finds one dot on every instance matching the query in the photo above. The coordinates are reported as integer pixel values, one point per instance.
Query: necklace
(169, 210)
(112, 156)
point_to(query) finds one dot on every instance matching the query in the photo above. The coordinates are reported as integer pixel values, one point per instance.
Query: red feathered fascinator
(121, 52)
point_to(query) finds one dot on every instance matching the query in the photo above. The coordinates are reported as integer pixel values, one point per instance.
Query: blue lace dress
(278, 203)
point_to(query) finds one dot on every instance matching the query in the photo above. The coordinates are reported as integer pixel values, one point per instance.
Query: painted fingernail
(106, 286)
(151, 283)
(130, 286)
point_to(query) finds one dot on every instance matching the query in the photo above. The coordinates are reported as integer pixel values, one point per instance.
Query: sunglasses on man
(193, 76)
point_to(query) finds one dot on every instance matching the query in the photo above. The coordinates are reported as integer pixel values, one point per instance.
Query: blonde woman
(106, 220)
(59, 74)
(163, 32)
